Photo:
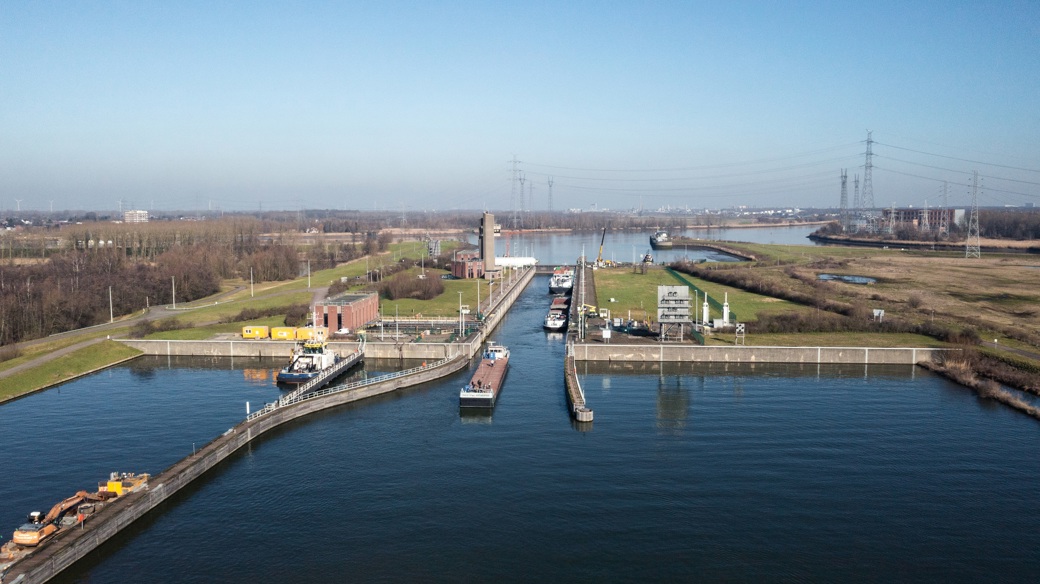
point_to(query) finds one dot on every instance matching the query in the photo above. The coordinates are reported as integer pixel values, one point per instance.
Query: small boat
(483, 389)
(309, 359)
(648, 258)
(660, 240)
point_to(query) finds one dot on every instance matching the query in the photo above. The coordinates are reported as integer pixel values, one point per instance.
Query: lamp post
(460, 315)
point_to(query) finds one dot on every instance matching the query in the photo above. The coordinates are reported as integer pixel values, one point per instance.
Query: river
(762, 473)
(629, 246)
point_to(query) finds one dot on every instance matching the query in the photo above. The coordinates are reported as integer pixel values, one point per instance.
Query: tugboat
(484, 387)
(660, 240)
(309, 359)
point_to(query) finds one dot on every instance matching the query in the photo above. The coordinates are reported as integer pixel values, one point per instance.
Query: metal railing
(338, 368)
(287, 401)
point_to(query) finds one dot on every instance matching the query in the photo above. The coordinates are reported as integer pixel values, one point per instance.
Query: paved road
(153, 313)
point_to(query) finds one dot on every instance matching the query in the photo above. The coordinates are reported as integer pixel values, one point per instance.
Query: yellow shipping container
(283, 333)
(308, 333)
(255, 332)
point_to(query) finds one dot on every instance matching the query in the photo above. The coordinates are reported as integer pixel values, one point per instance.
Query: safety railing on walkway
(270, 407)
(342, 365)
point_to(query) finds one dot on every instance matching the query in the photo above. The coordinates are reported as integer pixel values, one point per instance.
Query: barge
(483, 389)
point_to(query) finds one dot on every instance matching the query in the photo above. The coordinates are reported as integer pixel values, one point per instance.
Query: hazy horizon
(403, 106)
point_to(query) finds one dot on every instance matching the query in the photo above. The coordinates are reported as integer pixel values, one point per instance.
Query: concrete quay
(665, 352)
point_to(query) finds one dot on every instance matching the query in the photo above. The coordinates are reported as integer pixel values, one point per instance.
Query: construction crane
(599, 258)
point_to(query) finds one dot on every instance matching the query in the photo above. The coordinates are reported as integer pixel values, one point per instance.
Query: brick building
(351, 311)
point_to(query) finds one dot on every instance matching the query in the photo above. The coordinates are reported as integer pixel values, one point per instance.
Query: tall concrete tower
(487, 241)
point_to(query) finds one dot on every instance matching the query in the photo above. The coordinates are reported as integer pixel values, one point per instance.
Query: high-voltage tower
(550, 194)
(868, 185)
(512, 192)
(844, 213)
(974, 244)
(944, 220)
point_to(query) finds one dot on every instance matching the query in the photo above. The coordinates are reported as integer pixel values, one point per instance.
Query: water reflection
(673, 403)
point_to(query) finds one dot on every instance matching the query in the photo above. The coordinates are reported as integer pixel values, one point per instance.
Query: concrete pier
(667, 352)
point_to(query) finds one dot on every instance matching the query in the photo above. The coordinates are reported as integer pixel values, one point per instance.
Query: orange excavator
(38, 528)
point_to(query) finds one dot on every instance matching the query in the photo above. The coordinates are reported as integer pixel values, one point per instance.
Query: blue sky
(420, 105)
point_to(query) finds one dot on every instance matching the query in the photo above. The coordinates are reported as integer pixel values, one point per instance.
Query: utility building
(350, 311)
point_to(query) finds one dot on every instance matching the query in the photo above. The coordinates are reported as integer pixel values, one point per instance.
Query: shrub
(915, 300)
(296, 315)
(9, 352)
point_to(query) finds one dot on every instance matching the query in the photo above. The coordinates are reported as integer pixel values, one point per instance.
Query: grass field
(996, 295)
(30, 352)
(72, 365)
(201, 333)
(445, 305)
(637, 293)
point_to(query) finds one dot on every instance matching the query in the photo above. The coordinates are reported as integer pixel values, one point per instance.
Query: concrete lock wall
(750, 354)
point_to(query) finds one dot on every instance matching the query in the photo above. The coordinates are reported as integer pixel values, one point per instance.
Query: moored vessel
(309, 359)
(562, 280)
(556, 319)
(483, 389)
(660, 240)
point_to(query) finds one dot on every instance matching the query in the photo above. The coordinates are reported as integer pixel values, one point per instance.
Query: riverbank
(986, 245)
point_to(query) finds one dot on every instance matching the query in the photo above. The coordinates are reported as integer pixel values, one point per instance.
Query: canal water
(629, 246)
(693, 472)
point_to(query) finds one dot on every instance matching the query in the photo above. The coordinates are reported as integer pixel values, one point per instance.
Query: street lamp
(461, 316)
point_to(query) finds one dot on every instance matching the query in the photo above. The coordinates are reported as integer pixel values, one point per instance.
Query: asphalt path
(152, 313)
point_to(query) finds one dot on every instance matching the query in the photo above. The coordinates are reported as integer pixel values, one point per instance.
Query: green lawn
(68, 367)
(201, 333)
(444, 305)
(228, 309)
(637, 292)
(33, 351)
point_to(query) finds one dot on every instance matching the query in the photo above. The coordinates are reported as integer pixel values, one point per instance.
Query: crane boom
(599, 258)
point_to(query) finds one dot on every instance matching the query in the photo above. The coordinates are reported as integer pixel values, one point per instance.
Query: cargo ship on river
(556, 319)
(660, 240)
(483, 389)
(562, 280)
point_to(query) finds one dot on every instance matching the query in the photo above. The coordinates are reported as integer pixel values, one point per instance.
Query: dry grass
(998, 295)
